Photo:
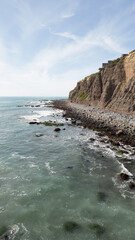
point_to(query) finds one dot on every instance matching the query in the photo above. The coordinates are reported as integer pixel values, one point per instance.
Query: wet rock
(124, 176)
(70, 167)
(57, 129)
(71, 226)
(92, 139)
(98, 229)
(39, 134)
(115, 142)
(102, 141)
(64, 129)
(73, 121)
(132, 185)
(32, 123)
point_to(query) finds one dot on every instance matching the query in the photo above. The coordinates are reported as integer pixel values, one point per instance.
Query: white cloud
(68, 15)
(68, 35)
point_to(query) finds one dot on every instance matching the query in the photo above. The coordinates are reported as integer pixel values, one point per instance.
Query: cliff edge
(112, 88)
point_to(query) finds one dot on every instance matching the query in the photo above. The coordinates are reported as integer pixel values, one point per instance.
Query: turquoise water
(58, 177)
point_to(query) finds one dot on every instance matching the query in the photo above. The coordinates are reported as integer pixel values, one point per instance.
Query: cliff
(112, 88)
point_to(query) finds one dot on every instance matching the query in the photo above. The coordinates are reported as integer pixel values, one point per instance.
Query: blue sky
(47, 46)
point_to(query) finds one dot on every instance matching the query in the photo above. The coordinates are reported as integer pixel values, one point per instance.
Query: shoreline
(117, 126)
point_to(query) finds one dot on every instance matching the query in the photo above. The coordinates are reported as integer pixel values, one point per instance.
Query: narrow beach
(118, 126)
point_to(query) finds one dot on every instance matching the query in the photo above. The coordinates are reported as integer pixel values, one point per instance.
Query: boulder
(124, 176)
(119, 133)
(57, 129)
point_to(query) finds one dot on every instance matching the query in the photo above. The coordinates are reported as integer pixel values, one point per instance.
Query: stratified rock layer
(112, 88)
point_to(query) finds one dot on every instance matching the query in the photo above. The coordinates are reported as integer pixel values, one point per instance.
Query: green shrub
(82, 96)
(114, 62)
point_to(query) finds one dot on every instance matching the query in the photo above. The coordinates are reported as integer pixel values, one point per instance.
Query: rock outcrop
(112, 88)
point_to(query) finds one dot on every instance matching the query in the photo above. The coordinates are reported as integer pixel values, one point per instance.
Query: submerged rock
(3, 230)
(98, 229)
(70, 167)
(132, 185)
(71, 226)
(101, 196)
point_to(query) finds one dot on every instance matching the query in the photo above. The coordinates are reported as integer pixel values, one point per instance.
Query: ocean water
(49, 178)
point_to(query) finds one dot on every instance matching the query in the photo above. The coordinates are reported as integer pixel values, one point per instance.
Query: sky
(47, 46)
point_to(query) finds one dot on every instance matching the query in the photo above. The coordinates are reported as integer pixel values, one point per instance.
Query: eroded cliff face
(112, 88)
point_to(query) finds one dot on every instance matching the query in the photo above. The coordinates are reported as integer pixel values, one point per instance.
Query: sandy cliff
(112, 88)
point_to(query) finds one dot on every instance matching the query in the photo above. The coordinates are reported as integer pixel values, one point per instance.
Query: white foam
(44, 113)
(30, 117)
(48, 167)
(16, 154)
(36, 115)
(10, 234)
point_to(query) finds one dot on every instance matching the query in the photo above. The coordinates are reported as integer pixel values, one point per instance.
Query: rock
(132, 185)
(115, 142)
(98, 229)
(92, 139)
(101, 196)
(3, 230)
(39, 134)
(102, 141)
(124, 176)
(64, 129)
(100, 134)
(70, 167)
(70, 226)
(32, 122)
(73, 121)
(57, 129)
(119, 133)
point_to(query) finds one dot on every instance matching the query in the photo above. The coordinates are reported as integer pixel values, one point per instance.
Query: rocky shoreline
(118, 127)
